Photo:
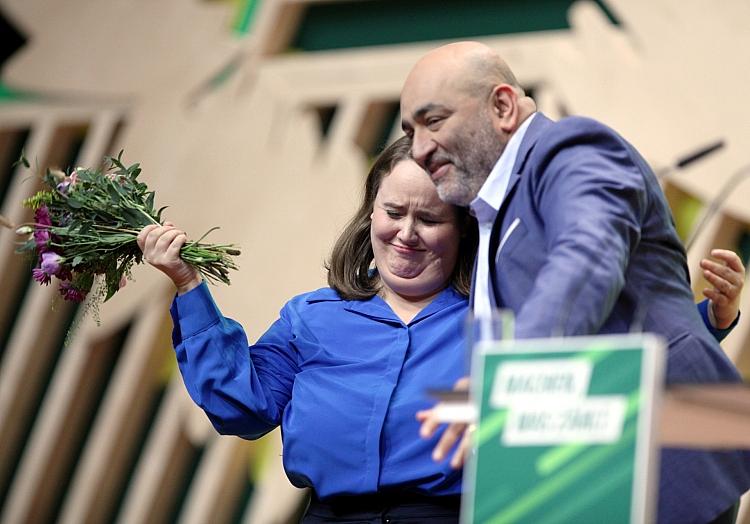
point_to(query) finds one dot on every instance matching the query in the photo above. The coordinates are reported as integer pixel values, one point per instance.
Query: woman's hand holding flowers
(161, 248)
(85, 234)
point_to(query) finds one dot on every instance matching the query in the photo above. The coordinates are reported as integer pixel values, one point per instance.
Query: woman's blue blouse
(344, 379)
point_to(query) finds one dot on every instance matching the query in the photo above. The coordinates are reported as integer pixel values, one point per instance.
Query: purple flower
(71, 293)
(68, 181)
(42, 236)
(41, 216)
(51, 263)
(40, 276)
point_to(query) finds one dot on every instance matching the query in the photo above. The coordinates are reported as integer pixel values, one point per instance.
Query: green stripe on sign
(551, 487)
(491, 426)
(565, 512)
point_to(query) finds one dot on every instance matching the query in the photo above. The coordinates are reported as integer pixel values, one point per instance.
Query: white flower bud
(58, 175)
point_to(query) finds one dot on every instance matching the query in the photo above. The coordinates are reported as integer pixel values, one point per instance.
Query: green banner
(565, 431)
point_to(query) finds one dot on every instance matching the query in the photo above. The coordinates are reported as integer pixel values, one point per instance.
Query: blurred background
(262, 117)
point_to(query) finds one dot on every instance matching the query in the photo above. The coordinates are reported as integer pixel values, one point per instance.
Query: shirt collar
(377, 309)
(493, 190)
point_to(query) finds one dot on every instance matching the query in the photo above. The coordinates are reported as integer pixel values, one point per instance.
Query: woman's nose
(408, 234)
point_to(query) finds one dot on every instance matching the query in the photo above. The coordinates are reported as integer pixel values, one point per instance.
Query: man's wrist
(716, 322)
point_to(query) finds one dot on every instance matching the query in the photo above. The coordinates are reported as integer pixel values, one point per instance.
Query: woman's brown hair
(349, 267)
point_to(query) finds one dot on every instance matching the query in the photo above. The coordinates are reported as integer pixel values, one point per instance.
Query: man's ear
(504, 108)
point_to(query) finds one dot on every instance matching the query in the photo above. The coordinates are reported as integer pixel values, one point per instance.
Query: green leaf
(117, 162)
(158, 213)
(150, 202)
(134, 171)
(74, 203)
(114, 194)
(111, 288)
(133, 218)
(112, 279)
(76, 260)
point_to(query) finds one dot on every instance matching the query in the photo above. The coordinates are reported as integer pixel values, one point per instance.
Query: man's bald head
(460, 104)
(471, 67)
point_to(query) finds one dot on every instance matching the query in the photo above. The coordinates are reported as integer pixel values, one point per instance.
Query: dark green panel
(381, 22)
(743, 248)
(11, 38)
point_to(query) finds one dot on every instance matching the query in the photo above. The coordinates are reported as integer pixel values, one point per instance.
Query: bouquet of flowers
(85, 228)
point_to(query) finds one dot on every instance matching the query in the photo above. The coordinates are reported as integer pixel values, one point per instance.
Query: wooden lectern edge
(703, 416)
(706, 416)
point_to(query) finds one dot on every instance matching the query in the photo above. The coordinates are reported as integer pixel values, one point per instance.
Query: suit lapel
(495, 236)
(535, 129)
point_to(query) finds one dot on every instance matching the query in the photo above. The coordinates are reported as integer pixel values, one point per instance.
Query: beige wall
(247, 155)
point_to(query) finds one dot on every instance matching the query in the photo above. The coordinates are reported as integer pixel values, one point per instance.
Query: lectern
(567, 430)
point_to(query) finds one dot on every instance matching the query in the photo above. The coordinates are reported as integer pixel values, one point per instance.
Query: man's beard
(476, 155)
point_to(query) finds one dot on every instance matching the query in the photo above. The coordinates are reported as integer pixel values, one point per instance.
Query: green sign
(565, 431)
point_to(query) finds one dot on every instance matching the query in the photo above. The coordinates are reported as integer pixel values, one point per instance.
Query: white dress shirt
(485, 207)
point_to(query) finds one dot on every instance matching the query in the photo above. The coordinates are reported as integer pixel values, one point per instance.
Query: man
(575, 237)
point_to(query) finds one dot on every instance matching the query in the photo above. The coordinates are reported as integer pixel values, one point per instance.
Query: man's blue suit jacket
(584, 243)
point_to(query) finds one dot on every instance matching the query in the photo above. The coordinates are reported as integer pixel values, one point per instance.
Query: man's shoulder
(576, 125)
(548, 137)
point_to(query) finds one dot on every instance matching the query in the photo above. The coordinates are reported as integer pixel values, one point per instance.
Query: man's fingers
(462, 384)
(722, 271)
(716, 297)
(429, 423)
(447, 440)
(721, 284)
(464, 448)
(730, 257)
(723, 278)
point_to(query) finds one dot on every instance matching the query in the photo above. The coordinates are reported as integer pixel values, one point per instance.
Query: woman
(344, 369)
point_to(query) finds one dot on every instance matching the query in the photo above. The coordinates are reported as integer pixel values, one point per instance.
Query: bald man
(575, 237)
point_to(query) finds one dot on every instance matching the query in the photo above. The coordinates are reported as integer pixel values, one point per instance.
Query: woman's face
(414, 234)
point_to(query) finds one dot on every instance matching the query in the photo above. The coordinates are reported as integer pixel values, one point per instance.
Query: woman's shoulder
(320, 303)
(324, 294)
